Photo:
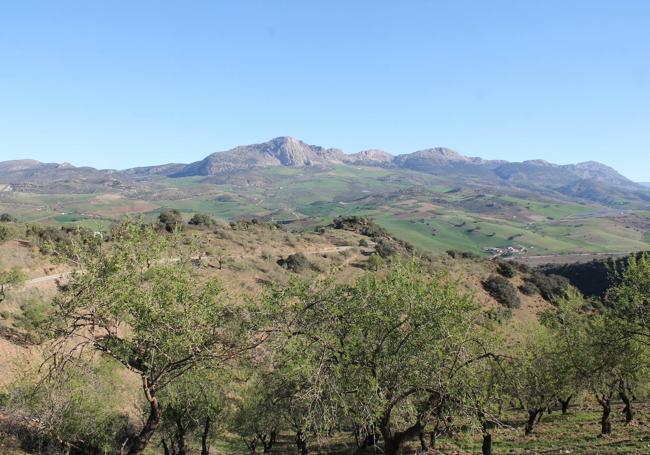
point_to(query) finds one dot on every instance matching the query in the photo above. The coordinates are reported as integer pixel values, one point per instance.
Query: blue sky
(124, 83)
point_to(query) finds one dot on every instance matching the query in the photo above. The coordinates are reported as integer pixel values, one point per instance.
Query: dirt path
(567, 258)
(58, 276)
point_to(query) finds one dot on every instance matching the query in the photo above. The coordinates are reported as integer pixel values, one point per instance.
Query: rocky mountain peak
(372, 157)
(598, 171)
(441, 154)
(292, 152)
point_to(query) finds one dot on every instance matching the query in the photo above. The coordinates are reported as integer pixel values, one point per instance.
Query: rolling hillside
(436, 198)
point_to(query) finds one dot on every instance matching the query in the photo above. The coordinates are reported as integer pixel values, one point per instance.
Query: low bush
(384, 248)
(500, 315)
(551, 287)
(529, 288)
(5, 233)
(458, 254)
(171, 220)
(202, 220)
(35, 314)
(375, 261)
(77, 410)
(296, 262)
(502, 291)
(506, 269)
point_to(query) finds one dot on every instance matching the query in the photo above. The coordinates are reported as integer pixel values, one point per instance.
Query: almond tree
(387, 348)
(593, 352)
(629, 299)
(530, 373)
(193, 406)
(568, 322)
(138, 301)
(8, 278)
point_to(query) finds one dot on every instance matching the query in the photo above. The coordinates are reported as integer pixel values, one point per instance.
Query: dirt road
(58, 276)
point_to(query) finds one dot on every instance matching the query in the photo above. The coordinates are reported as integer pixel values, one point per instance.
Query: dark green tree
(171, 220)
(139, 301)
(385, 350)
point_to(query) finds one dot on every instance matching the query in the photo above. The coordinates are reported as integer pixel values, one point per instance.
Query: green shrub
(375, 261)
(523, 268)
(384, 248)
(48, 236)
(369, 228)
(171, 220)
(9, 278)
(458, 254)
(363, 243)
(296, 262)
(362, 225)
(35, 314)
(5, 233)
(506, 269)
(78, 409)
(7, 218)
(202, 220)
(502, 291)
(500, 315)
(529, 288)
(551, 287)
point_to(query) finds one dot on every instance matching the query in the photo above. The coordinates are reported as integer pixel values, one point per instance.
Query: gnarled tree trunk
(565, 403)
(423, 442)
(486, 448)
(301, 443)
(180, 438)
(627, 410)
(136, 444)
(605, 422)
(394, 441)
(533, 415)
(268, 440)
(205, 449)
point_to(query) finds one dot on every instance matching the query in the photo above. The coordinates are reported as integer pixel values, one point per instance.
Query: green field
(431, 214)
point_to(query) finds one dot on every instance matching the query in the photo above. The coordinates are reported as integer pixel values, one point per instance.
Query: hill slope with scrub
(254, 310)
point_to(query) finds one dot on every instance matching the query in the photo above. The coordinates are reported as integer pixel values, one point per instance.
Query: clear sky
(135, 82)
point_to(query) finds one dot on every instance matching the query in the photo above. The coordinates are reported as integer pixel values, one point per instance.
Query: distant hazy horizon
(125, 84)
(119, 168)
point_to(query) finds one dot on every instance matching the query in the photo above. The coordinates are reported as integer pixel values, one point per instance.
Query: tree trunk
(605, 423)
(627, 410)
(268, 443)
(392, 446)
(423, 442)
(165, 448)
(394, 442)
(565, 403)
(180, 438)
(370, 439)
(138, 443)
(532, 419)
(301, 443)
(391, 443)
(486, 449)
(205, 450)
(432, 440)
(252, 445)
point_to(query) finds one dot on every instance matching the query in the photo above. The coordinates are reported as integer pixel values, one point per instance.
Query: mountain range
(590, 180)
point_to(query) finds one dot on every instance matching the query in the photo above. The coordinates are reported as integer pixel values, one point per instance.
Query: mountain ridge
(292, 152)
(587, 180)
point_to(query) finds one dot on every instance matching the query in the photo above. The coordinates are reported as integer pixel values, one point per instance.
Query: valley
(436, 199)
